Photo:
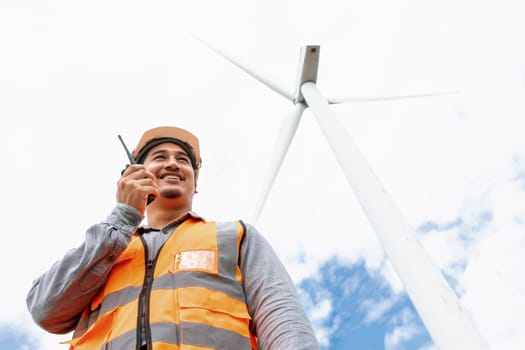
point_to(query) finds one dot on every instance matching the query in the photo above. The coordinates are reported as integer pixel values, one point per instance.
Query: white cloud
(492, 280)
(318, 306)
(405, 329)
(376, 309)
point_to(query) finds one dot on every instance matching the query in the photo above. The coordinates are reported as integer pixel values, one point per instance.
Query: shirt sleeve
(58, 297)
(278, 317)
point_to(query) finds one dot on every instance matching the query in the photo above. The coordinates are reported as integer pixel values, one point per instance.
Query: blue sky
(76, 75)
(354, 328)
(11, 338)
(363, 305)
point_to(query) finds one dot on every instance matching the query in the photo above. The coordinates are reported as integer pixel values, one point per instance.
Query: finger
(138, 173)
(130, 169)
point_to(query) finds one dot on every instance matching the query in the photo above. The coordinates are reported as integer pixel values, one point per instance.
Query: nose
(172, 163)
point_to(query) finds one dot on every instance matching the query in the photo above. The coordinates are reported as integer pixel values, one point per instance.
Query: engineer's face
(174, 174)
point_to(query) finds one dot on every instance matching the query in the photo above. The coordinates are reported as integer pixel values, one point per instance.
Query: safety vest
(192, 295)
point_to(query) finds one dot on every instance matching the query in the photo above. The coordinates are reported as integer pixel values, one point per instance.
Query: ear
(195, 178)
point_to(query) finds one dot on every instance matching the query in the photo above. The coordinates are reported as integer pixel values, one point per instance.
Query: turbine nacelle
(307, 72)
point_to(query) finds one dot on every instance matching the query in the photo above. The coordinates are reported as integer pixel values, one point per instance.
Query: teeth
(172, 177)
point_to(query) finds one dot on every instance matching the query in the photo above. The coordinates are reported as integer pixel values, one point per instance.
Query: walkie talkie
(132, 161)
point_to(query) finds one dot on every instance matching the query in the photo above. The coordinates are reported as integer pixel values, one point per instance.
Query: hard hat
(163, 134)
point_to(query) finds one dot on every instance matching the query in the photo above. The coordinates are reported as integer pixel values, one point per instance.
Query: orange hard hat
(163, 134)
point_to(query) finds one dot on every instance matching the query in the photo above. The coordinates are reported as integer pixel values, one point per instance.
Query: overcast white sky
(74, 75)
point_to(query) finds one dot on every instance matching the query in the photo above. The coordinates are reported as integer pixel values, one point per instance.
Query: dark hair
(155, 142)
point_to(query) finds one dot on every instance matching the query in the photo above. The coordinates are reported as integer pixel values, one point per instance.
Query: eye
(183, 159)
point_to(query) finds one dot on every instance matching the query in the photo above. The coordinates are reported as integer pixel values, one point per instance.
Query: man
(178, 283)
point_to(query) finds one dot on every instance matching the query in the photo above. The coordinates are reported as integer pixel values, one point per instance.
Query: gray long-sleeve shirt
(58, 297)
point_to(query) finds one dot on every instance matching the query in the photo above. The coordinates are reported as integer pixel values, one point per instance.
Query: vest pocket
(215, 309)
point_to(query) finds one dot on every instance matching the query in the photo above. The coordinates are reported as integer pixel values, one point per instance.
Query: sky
(74, 75)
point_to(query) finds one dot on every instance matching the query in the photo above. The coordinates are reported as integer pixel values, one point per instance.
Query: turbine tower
(449, 325)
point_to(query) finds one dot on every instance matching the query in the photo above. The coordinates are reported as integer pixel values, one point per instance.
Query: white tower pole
(449, 325)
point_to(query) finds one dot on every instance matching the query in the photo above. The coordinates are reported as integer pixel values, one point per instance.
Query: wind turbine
(449, 325)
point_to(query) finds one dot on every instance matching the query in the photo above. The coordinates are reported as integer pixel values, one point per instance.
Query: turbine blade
(266, 81)
(387, 98)
(286, 132)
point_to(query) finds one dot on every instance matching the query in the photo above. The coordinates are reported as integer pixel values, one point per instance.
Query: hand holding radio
(135, 184)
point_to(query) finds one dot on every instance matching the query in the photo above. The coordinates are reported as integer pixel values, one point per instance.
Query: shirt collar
(183, 217)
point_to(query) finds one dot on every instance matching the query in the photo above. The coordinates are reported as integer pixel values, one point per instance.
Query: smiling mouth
(171, 177)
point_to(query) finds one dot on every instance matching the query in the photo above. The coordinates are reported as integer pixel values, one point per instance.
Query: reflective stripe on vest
(196, 299)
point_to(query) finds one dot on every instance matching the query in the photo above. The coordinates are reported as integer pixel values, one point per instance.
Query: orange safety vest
(194, 295)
